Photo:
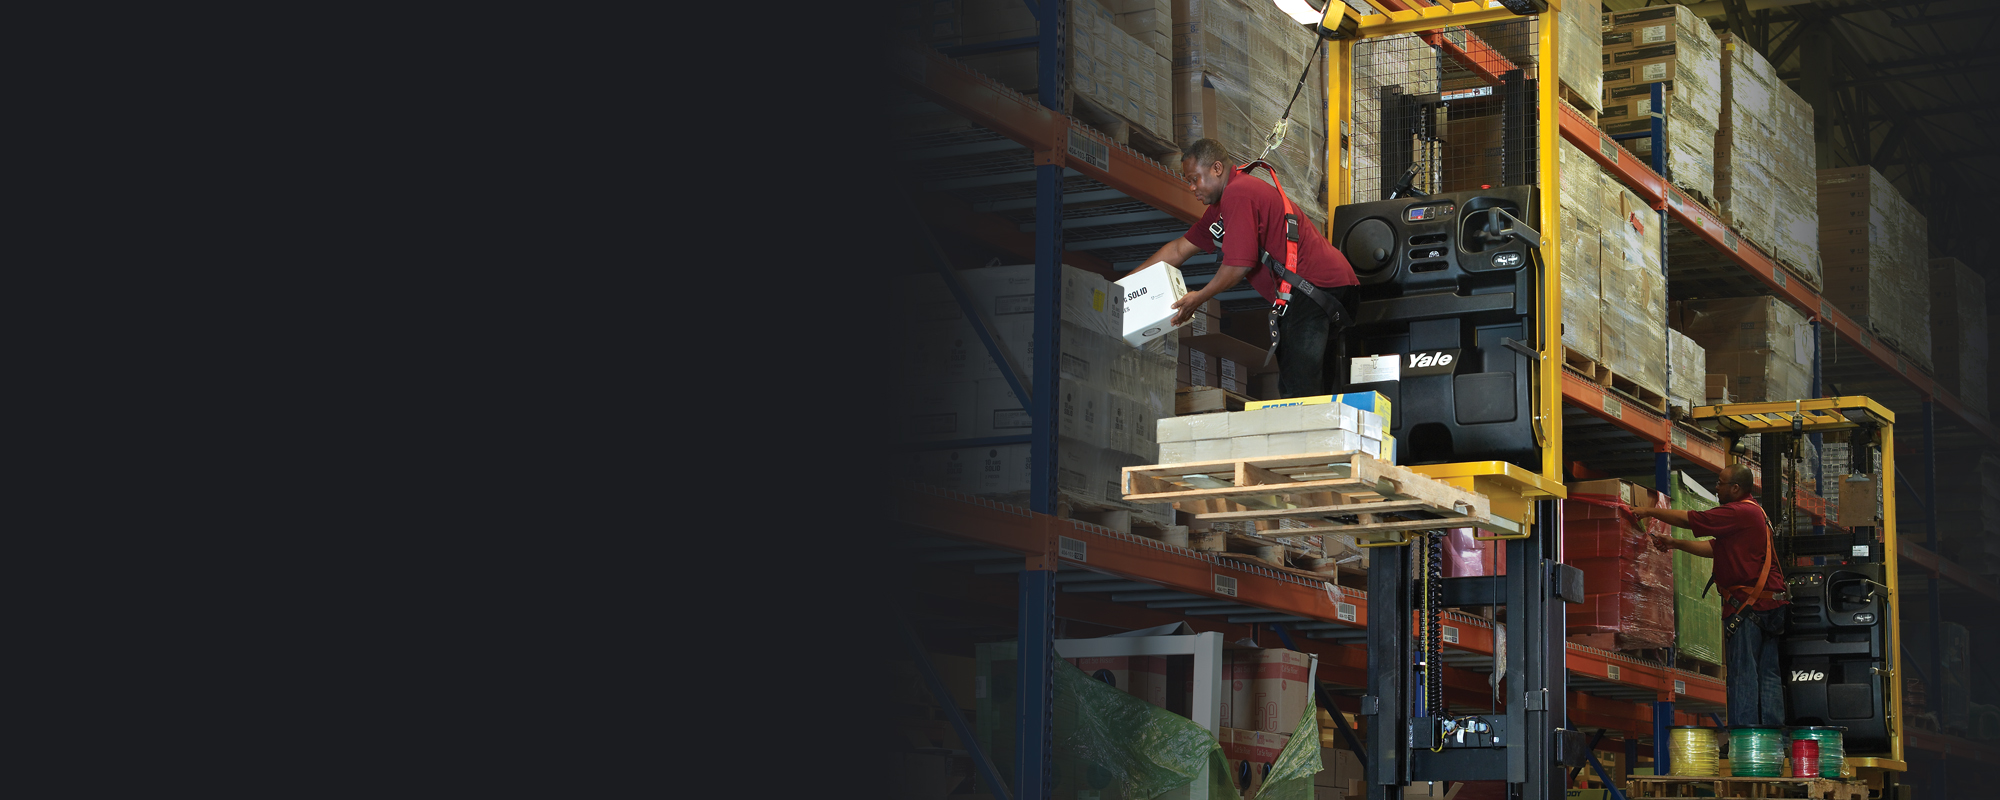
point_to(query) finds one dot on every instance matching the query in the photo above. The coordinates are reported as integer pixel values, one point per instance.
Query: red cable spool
(1805, 758)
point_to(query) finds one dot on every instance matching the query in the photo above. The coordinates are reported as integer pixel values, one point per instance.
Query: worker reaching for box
(1310, 284)
(1753, 609)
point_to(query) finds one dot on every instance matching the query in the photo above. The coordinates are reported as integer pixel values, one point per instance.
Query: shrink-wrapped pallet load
(1582, 203)
(1580, 48)
(1108, 68)
(1628, 582)
(1234, 69)
(1763, 345)
(1697, 607)
(1633, 314)
(1673, 47)
(1875, 250)
(1687, 369)
(1958, 331)
(1764, 177)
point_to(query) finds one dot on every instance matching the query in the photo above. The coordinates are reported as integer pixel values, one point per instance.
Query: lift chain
(1433, 613)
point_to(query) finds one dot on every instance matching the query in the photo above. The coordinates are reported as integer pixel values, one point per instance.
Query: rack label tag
(1613, 407)
(1680, 438)
(1450, 634)
(1825, 311)
(1680, 687)
(1609, 150)
(1072, 549)
(1611, 670)
(1867, 342)
(1225, 585)
(1343, 612)
(1088, 149)
(1729, 239)
(1778, 274)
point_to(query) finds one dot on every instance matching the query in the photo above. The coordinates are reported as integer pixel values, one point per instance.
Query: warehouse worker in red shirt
(1753, 598)
(1316, 288)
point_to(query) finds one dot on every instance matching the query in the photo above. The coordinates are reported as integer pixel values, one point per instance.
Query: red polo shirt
(1252, 211)
(1741, 535)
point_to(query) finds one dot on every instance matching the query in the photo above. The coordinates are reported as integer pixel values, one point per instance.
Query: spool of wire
(1805, 758)
(1832, 752)
(1755, 752)
(1692, 749)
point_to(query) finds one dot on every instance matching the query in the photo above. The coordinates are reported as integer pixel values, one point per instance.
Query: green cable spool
(1832, 754)
(1755, 752)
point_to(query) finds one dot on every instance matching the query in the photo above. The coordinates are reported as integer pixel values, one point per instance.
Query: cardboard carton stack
(1687, 371)
(1582, 204)
(1267, 696)
(1234, 68)
(1108, 66)
(1109, 396)
(1333, 424)
(1764, 176)
(1958, 331)
(1762, 343)
(1836, 462)
(1875, 250)
(1627, 582)
(1671, 46)
(1580, 45)
(1149, 21)
(1633, 314)
(1340, 775)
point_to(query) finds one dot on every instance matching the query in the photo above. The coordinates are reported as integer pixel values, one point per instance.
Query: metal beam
(1126, 241)
(1069, 198)
(1933, 19)
(1107, 219)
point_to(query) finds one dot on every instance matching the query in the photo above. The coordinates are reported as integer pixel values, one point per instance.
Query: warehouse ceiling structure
(1904, 86)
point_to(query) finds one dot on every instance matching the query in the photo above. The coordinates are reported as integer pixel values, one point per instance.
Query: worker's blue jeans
(1756, 682)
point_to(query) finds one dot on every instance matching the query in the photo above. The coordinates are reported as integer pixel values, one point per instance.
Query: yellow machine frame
(1509, 487)
(1823, 415)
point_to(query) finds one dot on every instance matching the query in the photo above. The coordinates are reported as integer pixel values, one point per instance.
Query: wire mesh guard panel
(1418, 103)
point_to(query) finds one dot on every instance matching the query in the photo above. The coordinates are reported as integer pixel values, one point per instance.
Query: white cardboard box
(1172, 429)
(1149, 295)
(1210, 426)
(1000, 410)
(1249, 446)
(1212, 449)
(1286, 444)
(939, 411)
(1249, 423)
(1328, 416)
(1331, 441)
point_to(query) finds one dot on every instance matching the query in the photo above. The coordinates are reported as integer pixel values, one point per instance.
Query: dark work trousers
(1756, 684)
(1308, 350)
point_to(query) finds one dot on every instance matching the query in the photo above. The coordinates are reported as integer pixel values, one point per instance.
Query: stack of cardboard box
(1340, 776)
(1875, 249)
(1235, 66)
(1762, 343)
(1268, 692)
(1687, 371)
(1325, 424)
(1697, 608)
(1764, 172)
(1633, 314)
(1149, 21)
(1958, 331)
(1671, 46)
(1628, 582)
(1580, 45)
(1107, 65)
(1582, 204)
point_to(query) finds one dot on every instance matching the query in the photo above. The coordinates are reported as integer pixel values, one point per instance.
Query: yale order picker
(1475, 273)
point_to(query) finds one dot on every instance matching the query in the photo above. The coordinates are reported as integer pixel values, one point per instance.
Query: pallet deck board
(1313, 486)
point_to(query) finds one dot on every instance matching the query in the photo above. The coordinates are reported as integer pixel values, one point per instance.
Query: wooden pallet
(1799, 273)
(1703, 199)
(1579, 102)
(1206, 400)
(1583, 365)
(1121, 129)
(1658, 787)
(1700, 667)
(1326, 490)
(1638, 394)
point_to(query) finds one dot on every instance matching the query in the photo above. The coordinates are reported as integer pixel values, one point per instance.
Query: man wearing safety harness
(1310, 284)
(1753, 600)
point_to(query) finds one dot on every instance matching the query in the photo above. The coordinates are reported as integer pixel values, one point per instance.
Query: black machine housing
(1440, 273)
(1835, 652)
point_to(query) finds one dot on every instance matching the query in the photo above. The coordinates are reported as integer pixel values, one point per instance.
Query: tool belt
(1286, 270)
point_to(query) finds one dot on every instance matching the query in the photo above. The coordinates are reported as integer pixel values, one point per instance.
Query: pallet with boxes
(1765, 178)
(1874, 247)
(1673, 47)
(1118, 81)
(1614, 294)
(1628, 583)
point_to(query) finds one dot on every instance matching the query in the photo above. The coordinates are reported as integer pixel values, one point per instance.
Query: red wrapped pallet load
(1628, 584)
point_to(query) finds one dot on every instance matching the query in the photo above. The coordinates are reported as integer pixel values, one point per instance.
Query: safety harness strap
(1286, 271)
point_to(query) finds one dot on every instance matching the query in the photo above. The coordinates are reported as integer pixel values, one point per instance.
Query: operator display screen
(1427, 213)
